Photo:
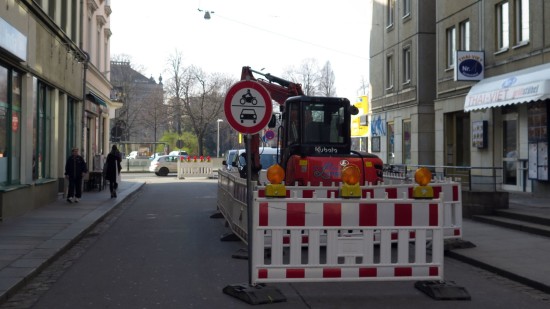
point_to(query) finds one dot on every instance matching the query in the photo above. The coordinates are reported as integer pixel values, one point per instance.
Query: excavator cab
(316, 126)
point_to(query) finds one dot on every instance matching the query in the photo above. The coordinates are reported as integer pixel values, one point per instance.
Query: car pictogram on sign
(248, 114)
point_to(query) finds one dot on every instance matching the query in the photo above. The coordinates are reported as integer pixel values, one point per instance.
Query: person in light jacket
(75, 168)
(112, 169)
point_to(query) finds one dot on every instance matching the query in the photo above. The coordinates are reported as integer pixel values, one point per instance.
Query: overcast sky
(274, 35)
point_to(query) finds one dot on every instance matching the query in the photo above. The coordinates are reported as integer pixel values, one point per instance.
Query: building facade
(498, 123)
(485, 68)
(143, 117)
(43, 85)
(402, 51)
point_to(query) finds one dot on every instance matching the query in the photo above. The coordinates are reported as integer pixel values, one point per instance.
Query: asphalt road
(162, 250)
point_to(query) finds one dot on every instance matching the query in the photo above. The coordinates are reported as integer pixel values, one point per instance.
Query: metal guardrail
(479, 179)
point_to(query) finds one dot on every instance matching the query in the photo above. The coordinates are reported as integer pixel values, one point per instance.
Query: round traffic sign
(247, 107)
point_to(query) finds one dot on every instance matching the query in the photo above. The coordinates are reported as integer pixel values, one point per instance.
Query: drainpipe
(85, 63)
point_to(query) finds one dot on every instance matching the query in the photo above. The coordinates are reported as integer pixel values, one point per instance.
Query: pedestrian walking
(112, 169)
(75, 168)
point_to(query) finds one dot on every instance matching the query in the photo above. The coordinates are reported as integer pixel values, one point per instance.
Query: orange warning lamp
(275, 175)
(423, 177)
(351, 176)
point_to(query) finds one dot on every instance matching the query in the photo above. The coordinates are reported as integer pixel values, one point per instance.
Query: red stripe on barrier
(364, 193)
(262, 273)
(457, 232)
(437, 191)
(261, 193)
(305, 239)
(263, 213)
(368, 272)
(307, 193)
(402, 271)
(295, 273)
(455, 193)
(403, 215)
(434, 271)
(296, 214)
(332, 214)
(433, 215)
(412, 234)
(368, 215)
(410, 192)
(392, 192)
(332, 272)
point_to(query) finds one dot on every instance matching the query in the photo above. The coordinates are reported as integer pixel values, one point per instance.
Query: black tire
(163, 171)
(156, 173)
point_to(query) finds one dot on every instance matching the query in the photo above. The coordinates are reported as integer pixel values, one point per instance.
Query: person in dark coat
(75, 168)
(112, 169)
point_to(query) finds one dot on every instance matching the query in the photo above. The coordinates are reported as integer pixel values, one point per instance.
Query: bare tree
(307, 74)
(326, 81)
(196, 98)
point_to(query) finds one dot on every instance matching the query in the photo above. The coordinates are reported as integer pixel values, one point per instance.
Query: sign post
(248, 109)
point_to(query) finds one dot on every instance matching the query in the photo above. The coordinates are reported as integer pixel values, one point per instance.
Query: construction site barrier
(346, 257)
(446, 187)
(195, 169)
(232, 200)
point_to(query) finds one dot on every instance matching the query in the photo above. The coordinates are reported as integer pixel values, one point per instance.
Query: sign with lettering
(469, 65)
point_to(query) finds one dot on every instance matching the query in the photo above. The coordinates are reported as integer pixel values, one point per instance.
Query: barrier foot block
(255, 294)
(241, 254)
(216, 215)
(443, 290)
(229, 237)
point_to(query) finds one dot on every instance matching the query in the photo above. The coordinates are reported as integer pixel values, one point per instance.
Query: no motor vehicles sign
(248, 107)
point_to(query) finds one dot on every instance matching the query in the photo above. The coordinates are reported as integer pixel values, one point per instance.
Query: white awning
(517, 87)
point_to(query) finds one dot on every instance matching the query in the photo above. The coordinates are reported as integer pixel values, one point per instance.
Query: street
(161, 249)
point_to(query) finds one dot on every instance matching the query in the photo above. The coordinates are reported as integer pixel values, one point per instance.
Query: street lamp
(218, 141)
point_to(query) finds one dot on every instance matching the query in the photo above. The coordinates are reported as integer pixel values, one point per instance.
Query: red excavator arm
(278, 88)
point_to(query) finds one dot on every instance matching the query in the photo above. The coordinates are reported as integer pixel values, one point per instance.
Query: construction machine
(314, 135)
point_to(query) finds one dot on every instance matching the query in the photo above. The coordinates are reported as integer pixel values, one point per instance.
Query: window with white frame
(406, 8)
(389, 71)
(390, 8)
(465, 35)
(407, 64)
(451, 47)
(503, 25)
(522, 21)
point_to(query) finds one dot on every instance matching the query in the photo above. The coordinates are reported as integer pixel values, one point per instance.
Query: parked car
(163, 165)
(179, 153)
(268, 157)
(229, 157)
(132, 155)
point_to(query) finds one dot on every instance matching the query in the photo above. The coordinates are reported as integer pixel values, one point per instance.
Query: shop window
(391, 143)
(407, 135)
(41, 131)
(537, 135)
(10, 127)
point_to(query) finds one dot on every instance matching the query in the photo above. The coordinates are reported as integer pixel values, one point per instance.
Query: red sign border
(234, 123)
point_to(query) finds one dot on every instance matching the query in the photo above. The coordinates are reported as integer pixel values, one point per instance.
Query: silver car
(163, 165)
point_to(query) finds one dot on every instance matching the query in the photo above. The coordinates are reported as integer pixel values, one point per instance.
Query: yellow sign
(356, 128)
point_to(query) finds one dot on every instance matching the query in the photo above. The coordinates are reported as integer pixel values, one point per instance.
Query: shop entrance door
(510, 152)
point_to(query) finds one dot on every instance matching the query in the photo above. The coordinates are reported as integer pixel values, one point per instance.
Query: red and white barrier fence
(232, 200)
(357, 256)
(451, 191)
